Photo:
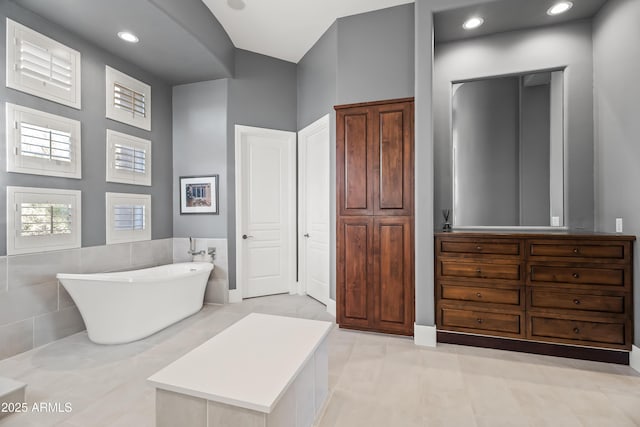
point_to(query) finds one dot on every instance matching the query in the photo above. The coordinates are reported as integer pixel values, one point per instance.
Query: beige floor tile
(375, 380)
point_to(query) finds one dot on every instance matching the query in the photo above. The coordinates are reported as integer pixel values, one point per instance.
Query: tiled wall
(218, 287)
(35, 309)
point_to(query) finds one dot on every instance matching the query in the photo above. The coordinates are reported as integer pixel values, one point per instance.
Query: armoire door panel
(393, 164)
(355, 242)
(355, 163)
(393, 269)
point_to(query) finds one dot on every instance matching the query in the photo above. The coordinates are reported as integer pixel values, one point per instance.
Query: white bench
(263, 371)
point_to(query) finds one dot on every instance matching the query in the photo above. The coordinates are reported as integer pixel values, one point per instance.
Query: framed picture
(199, 195)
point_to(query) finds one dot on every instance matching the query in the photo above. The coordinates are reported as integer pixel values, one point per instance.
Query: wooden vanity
(562, 294)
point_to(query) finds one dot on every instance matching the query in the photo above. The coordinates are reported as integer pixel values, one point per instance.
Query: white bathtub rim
(125, 276)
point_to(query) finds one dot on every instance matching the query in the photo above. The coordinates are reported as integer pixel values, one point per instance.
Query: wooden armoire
(375, 216)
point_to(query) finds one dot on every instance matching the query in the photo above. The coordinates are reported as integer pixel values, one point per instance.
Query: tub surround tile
(42, 267)
(99, 259)
(16, 338)
(53, 326)
(64, 299)
(4, 284)
(28, 301)
(151, 253)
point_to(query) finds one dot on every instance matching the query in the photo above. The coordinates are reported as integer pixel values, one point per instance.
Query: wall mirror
(508, 150)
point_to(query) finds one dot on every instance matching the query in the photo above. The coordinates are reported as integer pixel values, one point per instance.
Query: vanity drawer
(488, 295)
(481, 321)
(544, 299)
(576, 275)
(480, 246)
(479, 270)
(576, 249)
(568, 330)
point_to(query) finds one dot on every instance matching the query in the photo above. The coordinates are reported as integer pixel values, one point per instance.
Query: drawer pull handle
(479, 321)
(576, 330)
(576, 301)
(576, 250)
(479, 295)
(576, 275)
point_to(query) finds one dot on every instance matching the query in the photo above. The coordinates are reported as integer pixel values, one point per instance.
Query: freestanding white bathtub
(127, 306)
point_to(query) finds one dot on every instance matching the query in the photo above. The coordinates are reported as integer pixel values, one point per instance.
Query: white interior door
(313, 199)
(265, 211)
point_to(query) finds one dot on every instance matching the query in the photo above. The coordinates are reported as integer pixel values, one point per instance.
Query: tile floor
(375, 380)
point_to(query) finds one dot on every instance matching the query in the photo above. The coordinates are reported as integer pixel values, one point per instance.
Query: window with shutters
(41, 66)
(40, 143)
(128, 159)
(42, 219)
(128, 217)
(128, 99)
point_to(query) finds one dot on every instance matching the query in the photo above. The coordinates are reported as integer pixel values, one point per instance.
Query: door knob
(245, 237)
(307, 235)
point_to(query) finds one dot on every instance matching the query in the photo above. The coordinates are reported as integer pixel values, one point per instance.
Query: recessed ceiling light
(559, 8)
(236, 4)
(472, 23)
(128, 37)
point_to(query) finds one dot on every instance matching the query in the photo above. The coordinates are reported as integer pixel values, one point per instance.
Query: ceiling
(286, 29)
(507, 15)
(180, 41)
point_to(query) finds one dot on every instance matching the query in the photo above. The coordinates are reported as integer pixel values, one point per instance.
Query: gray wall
(546, 48)
(94, 125)
(376, 55)
(485, 117)
(263, 94)
(366, 57)
(616, 71)
(200, 148)
(317, 75)
(534, 155)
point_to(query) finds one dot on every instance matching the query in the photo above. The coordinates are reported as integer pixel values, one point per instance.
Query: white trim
(634, 358)
(18, 244)
(331, 307)
(114, 76)
(18, 80)
(114, 236)
(125, 176)
(235, 296)
(15, 115)
(240, 130)
(315, 127)
(424, 336)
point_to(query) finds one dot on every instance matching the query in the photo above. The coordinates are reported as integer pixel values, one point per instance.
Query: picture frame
(199, 195)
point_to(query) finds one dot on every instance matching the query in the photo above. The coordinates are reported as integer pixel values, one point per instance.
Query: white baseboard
(331, 307)
(424, 336)
(634, 358)
(234, 296)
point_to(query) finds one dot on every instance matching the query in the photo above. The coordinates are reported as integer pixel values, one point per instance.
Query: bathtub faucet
(192, 249)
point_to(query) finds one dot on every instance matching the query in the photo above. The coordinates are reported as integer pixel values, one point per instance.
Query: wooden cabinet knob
(576, 301)
(478, 248)
(576, 275)
(479, 295)
(576, 330)
(478, 270)
(479, 321)
(576, 250)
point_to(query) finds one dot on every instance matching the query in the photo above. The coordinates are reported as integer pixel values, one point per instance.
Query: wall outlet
(618, 225)
(555, 221)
